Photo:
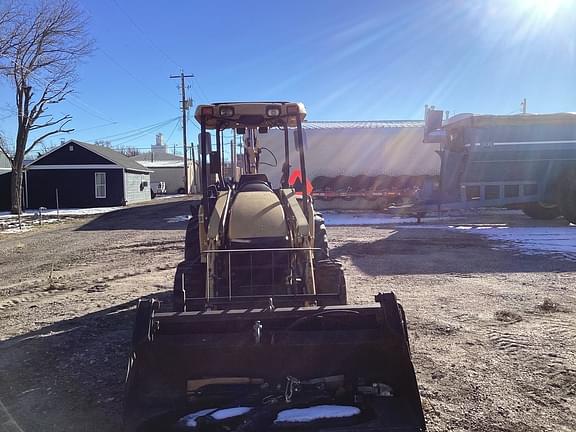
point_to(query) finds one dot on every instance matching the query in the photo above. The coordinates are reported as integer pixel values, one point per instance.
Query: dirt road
(492, 330)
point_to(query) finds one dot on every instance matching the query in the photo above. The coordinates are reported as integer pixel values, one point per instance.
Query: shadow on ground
(157, 215)
(68, 376)
(438, 251)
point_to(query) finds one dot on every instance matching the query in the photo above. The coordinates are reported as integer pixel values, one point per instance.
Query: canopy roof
(247, 114)
(483, 120)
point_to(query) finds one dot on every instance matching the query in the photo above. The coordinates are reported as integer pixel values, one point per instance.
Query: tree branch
(47, 134)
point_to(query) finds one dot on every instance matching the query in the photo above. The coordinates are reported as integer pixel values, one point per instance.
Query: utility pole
(185, 105)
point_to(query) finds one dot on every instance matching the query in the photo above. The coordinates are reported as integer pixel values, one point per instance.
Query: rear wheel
(540, 211)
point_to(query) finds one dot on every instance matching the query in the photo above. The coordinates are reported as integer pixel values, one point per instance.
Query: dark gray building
(85, 175)
(5, 171)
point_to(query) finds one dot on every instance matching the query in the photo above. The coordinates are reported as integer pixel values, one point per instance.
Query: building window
(492, 192)
(511, 191)
(100, 181)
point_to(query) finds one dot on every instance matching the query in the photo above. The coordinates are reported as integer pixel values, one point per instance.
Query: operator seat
(257, 221)
(254, 183)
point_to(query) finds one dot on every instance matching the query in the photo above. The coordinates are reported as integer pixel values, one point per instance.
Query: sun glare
(542, 10)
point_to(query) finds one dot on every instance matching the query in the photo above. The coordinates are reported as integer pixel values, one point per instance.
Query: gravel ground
(492, 329)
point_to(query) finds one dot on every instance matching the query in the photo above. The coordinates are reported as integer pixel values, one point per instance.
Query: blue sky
(346, 60)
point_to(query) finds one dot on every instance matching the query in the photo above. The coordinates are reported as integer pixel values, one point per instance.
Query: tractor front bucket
(264, 365)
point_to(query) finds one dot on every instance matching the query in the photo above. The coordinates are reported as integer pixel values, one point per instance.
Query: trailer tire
(567, 198)
(320, 238)
(541, 212)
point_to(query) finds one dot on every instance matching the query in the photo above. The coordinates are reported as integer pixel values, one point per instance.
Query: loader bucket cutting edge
(335, 355)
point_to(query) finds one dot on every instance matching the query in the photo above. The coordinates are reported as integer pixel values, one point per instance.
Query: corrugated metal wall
(137, 187)
(355, 151)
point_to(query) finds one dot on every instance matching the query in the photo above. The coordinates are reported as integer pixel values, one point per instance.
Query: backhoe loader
(259, 335)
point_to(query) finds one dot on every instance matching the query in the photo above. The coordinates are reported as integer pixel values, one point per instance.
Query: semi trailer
(362, 164)
(522, 161)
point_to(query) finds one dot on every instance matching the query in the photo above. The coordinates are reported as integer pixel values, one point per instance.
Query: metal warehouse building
(79, 174)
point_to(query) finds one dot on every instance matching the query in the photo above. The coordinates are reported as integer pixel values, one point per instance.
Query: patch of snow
(190, 419)
(226, 413)
(176, 219)
(304, 415)
(25, 228)
(355, 218)
(160, 197)
(529, 240)
(63, 212)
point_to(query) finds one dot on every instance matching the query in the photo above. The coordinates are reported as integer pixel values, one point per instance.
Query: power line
(122, 135)
(135, 78)
(200, 89)
(173, 130)
(150, 41)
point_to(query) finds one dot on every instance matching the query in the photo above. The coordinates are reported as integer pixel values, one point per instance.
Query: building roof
(369, 124)
(164, 163)
(113, 156)
(156, 156)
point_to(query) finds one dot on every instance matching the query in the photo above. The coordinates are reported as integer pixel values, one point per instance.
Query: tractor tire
(320, 238)
(567, 196)
(189, 282)
(541, 212)
(192, 239)
(329, 279)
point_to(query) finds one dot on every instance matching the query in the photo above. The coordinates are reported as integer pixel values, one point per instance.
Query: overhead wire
(146, 36)
(178, 123)
(134, 132)
(43, 81)
(135, 78)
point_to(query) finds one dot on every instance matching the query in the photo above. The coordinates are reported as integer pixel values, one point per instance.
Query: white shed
(168, 168)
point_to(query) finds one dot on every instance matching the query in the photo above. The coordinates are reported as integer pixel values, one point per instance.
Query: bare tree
(129, 151)
(50, 40)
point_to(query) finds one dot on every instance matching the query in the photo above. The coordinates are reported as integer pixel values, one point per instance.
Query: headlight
(207, 111)
(226, 111)
(293, 109)
(273, 111)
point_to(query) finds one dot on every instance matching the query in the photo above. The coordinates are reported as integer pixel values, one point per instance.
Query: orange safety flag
(295, 181)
